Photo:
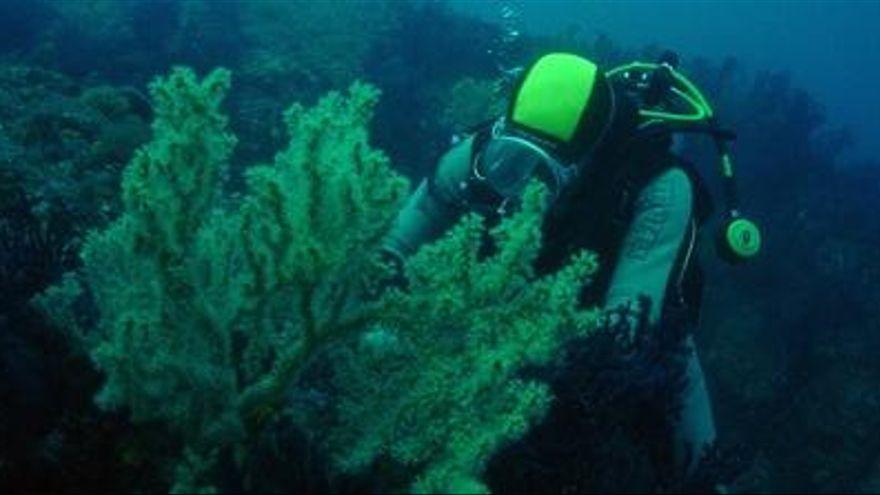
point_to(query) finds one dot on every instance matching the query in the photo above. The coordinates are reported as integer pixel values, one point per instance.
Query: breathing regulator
(671, 103)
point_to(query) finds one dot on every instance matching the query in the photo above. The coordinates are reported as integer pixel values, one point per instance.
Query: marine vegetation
(789, 341)
(212, 306)
(62, 146)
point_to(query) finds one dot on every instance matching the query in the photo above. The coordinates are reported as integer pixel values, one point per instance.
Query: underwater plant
(212, 306)
(62, 146)
(435, 386)
(199, 303)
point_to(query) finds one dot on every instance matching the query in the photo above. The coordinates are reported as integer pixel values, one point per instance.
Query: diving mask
(509, 160)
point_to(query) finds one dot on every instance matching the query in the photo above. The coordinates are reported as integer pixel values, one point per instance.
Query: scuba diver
(602, 142)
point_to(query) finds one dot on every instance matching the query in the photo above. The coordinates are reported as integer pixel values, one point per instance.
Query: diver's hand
(626, 324)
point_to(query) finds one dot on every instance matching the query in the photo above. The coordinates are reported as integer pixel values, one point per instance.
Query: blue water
(830, 47)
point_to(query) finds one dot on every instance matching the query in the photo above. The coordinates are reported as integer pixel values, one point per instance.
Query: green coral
(213, 306)
(162, 348)
(208, 309)
(436, 387)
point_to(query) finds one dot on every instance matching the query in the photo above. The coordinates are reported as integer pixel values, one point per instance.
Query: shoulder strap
(703, 204)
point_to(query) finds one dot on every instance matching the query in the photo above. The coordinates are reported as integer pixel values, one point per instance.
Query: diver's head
(562, 111)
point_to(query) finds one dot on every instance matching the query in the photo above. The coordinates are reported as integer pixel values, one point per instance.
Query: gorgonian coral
(212, 306)
(435, 385)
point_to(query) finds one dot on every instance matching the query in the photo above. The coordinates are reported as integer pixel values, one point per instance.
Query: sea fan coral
(211, 306)
(208, 310)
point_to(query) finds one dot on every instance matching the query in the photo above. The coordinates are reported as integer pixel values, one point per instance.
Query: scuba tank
(669, 103)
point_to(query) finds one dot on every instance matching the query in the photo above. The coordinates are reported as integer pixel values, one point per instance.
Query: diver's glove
(626, 326)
